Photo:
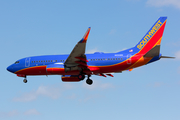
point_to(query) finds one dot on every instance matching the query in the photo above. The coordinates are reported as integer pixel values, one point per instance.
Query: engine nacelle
(70, 78)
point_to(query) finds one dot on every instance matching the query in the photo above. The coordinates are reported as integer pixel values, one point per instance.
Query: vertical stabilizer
(153, 37)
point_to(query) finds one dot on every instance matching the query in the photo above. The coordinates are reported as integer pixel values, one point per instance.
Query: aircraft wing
(77, 58)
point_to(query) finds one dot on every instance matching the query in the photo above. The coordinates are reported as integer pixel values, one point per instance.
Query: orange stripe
(140, 62)
(158, 42)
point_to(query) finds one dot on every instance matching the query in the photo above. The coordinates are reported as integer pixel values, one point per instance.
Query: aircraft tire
(25, 80)
(81, 77)
(89, 81)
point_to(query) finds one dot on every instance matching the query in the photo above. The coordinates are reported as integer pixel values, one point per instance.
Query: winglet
(85, 37)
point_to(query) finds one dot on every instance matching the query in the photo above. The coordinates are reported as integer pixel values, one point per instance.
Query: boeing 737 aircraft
(75, 66)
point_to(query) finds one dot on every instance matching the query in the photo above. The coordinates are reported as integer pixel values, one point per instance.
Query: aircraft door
(27, 62)
(129, 59)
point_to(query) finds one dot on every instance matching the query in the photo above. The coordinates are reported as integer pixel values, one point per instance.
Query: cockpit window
(16, 62)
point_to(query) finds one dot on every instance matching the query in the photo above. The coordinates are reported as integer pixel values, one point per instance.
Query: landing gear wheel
(81, 76)
(89, 81)
(25, 80)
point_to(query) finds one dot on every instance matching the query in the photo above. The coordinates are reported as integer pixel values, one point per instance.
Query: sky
(43, 27)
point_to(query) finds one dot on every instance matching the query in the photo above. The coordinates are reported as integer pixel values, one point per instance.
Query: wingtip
(85, 37)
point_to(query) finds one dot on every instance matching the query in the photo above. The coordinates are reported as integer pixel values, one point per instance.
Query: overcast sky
(43, 27)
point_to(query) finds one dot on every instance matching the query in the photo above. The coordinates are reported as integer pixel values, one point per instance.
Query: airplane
(75, 66)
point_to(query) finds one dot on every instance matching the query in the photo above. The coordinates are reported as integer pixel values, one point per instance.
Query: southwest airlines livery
(75, 66)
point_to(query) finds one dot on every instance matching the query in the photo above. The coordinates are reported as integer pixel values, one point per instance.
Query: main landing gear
(88, 81)
(81, 77)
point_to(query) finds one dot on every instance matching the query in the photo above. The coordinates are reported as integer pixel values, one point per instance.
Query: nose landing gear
(25, 80)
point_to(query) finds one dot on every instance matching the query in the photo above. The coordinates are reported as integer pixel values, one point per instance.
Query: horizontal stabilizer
(167, 57)
(153, 52)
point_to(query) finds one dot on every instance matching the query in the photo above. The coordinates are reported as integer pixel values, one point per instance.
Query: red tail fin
(153, 36)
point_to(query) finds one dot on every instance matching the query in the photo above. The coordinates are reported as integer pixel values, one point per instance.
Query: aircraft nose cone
(10, 68)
